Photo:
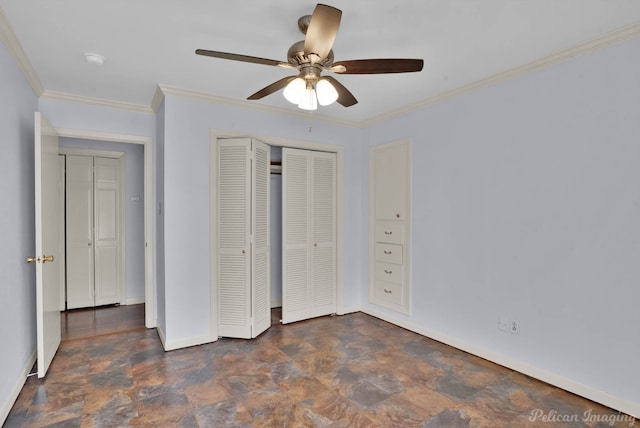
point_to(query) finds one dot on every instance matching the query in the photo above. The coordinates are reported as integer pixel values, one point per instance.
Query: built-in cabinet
(92, 231)
(389, 225)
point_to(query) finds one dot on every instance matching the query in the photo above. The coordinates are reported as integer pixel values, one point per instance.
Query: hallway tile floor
(341, 371)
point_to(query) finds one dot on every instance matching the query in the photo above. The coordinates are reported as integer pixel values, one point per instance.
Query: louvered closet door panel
(295, 235)
(261, 263)
(234, 222)
(323, 222)
(79, 232)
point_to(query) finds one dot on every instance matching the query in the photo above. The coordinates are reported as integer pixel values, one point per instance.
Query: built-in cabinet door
(243, 263)
(79, 232)
(308, 234)
(106, 233)
(389, 167)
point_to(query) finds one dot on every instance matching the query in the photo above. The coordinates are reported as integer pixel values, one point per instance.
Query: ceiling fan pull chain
(310, 120)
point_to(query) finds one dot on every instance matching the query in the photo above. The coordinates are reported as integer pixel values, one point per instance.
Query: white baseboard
(554, 379)
(134, 300)
(276, 304)
(161, 334)
(182, 343)
(350, 310)
(17, 387)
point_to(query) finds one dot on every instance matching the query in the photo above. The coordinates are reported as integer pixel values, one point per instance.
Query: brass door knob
(32, 259)
(47, 259)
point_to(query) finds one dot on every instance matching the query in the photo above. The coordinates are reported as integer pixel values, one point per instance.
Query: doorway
(144, 201)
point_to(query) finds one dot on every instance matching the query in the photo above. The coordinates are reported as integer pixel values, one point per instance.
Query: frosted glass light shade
(309, 101)
(294, 90)
(327, 94)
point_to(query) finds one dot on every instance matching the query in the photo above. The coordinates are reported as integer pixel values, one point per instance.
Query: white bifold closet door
(308, 234)
(92, 231)
(243, 260)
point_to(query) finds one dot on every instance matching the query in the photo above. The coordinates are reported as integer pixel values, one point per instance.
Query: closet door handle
(388, 272)
(387, 252)
(388, 291)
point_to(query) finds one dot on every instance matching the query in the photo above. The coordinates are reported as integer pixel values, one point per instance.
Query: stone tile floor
(342, 371)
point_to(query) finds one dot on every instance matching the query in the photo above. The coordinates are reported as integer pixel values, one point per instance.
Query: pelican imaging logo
(553, 416)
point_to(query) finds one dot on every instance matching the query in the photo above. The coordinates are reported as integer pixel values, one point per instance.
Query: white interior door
(323, 223)
(47, 242)
(106, 230)
(234, 237)
(260, 254)
(79, 232)
(296, 271)
(308, 234)
(243, 260)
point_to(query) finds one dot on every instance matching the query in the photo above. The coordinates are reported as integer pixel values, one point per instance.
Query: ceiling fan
(311, 57)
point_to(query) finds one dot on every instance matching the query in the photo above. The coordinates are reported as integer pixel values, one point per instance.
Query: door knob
(47, 259)
(33, 259)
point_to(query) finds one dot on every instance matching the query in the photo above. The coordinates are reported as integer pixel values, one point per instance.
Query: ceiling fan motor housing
(296, 56)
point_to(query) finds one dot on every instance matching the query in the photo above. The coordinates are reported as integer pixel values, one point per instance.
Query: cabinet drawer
(389, 253)
(388, 292)
(388, 272)
(390, 232)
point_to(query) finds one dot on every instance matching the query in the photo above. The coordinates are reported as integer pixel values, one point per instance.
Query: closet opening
(276, 233)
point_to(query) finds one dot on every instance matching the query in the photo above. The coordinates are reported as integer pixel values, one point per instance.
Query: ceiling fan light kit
(311, 57)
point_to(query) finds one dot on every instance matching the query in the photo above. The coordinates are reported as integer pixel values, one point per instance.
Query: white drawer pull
(386, 232)
(388, 291)
(388, 272)
(387, 252)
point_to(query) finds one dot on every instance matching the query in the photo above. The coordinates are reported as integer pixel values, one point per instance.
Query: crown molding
(10, 40)
(621, 35)
(100, 102)
(215, 99)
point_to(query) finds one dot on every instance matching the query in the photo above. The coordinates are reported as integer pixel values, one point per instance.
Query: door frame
(149, 219)
(122, 218)
(214, 135)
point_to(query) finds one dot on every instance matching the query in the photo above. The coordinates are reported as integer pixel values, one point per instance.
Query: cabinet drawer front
(389, 232)
(388, 272)
(389, 253)
(388, 292)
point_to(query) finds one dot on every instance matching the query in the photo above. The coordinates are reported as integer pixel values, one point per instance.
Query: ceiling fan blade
(243, 58)
(345, 97)
(322, 31)
(378, 66)
(275, 86)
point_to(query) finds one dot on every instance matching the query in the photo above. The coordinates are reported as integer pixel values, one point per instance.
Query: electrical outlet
(514, 326)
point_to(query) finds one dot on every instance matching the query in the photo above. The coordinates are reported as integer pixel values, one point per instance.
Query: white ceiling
(151, 42)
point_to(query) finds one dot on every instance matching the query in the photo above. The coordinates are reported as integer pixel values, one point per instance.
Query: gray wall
(526, 204)
(186, 194)
(134, 210)
(17, 278)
